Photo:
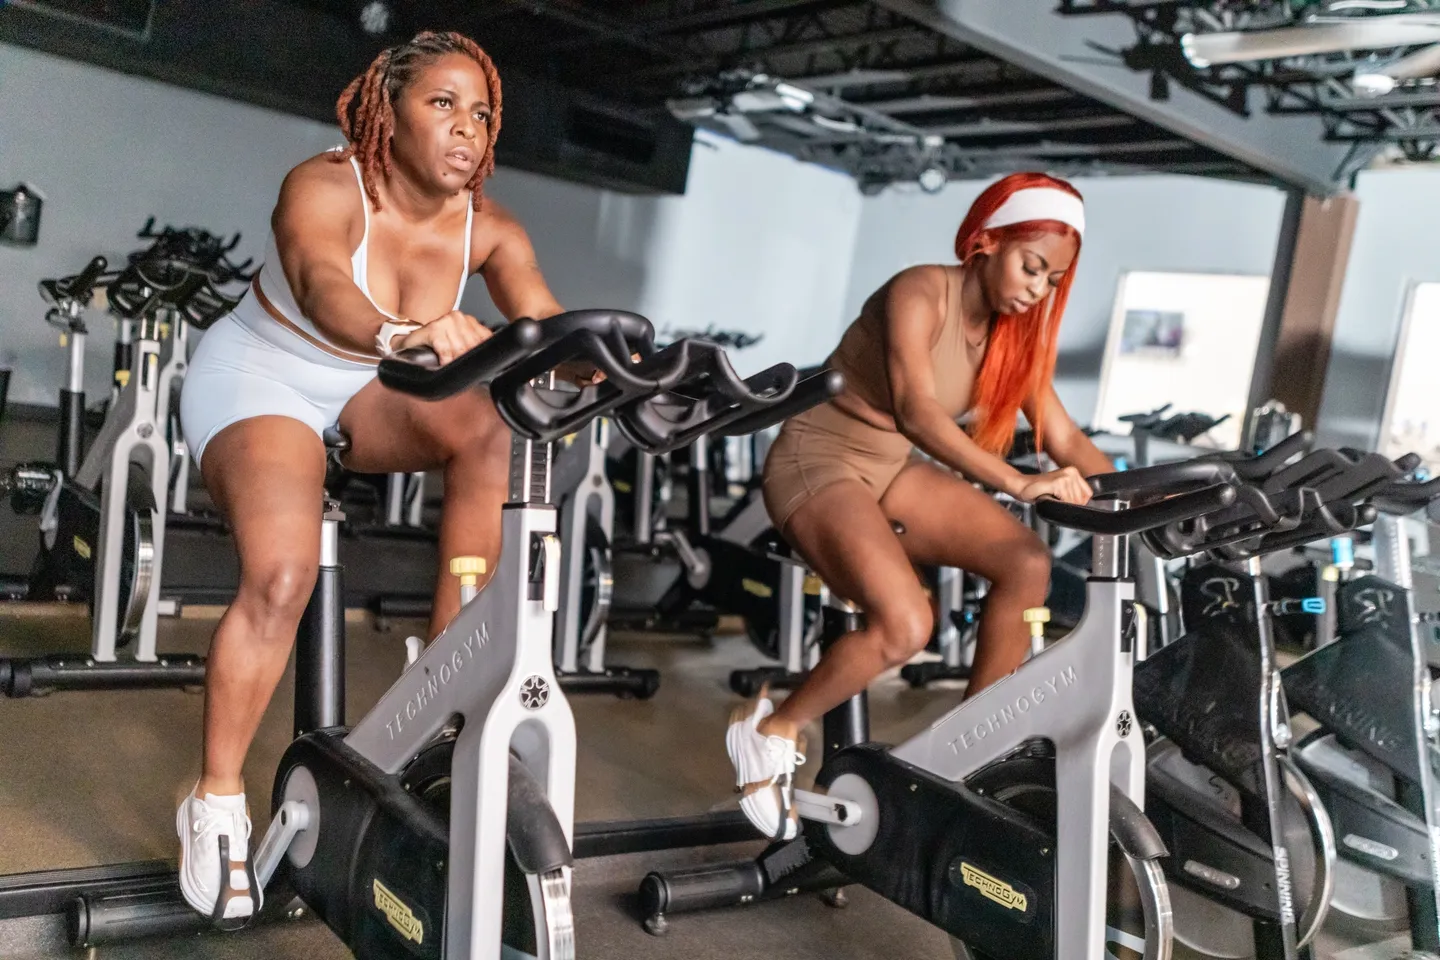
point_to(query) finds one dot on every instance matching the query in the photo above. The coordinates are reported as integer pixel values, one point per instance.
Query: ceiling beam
(1032, 34)
(934, 103)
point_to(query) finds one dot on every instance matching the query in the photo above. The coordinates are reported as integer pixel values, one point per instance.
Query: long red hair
(1020, 361)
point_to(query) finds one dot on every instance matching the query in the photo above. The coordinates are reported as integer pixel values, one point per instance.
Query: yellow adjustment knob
(1330, 574)
(468, 569)
(813, 585)
(1037, 617)
(122, 377)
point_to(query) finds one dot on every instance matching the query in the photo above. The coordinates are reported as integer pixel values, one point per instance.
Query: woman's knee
(279, 590)
(1025, 565)
(905, 630)
(470, 429)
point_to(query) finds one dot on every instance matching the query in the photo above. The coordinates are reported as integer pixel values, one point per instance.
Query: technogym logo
(398, 913)
(1028, 700)
(434, 679)
(993, 888)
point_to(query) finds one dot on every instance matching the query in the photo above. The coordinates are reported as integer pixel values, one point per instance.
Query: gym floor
(94, 778)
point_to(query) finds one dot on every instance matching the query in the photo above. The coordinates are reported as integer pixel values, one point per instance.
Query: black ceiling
(881, 89)
(891, 83)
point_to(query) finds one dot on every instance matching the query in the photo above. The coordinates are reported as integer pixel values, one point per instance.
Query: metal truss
(1406, 121)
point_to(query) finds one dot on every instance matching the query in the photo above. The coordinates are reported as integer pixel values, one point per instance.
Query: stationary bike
(441, 824)
(996, 822)
(102, 519)
(1373, 758)
(1252, 848)
(587, 521)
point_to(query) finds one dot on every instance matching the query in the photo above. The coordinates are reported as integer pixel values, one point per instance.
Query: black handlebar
(77, 288)
(1162, 480)
(135, 294)
(418, 371)
(660, 399)
(1248, 467)
(193, 248)
(1324, 494)
(1404, 497)
(1182, 426)
(809, 392)
(1132, 520)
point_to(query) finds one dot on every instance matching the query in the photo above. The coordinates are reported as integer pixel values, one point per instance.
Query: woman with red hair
(973, 340)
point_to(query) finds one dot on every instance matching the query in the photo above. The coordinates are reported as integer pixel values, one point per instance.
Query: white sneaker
(764, 771)
(217, 875)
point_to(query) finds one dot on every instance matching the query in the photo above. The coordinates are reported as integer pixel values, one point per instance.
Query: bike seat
(336, 439)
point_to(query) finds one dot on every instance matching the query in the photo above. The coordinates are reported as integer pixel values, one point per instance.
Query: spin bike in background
(587, 578)
(102, 525)
(1373, 758)
(1252, 850)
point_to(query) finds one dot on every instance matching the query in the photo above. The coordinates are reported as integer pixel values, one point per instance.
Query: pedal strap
(230, 893)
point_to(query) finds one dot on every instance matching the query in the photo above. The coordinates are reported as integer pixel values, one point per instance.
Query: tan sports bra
(861, 358)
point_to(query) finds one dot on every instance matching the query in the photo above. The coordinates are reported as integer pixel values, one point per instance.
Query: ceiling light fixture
(375, 17)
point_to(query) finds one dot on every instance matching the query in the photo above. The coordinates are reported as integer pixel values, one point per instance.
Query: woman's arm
(317, 221)
(511, 271)
(912, 318)
(1066, 443)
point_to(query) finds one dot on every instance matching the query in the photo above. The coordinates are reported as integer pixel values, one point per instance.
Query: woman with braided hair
(370, 249)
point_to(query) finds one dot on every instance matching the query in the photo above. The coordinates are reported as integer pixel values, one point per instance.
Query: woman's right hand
(1065, 484)
(449, 335)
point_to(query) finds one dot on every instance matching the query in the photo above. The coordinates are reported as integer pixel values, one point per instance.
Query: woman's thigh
(948, 522)
(392, 432)
(846, 538)
(267, 476)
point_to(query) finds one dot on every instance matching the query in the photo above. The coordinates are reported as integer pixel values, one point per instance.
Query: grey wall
(1395, 248)
(110, 150)
(760, 242)
(1184, 224)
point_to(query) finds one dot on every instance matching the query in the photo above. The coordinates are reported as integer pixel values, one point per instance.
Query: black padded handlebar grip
(1255, 468)
(421, 375)
(184, 291)
(1184, 506)
(1405, 497)
(1161, 479)
(77, 287)
(810, 392)
(1321, 528)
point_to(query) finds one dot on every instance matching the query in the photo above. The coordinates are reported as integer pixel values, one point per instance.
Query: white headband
(1040, 203)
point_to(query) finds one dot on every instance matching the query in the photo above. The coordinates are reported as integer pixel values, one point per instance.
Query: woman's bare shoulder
(925, 278)
(324, 176)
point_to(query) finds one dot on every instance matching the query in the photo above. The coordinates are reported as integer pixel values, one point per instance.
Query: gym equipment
(1252, 851)
(102, 525)
(793, 638)
(587, 520)
(1154, 584)
(979, 823)
(1373, 759)
(361, 815)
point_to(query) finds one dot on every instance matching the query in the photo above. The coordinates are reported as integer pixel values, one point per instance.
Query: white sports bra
(272, 303)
